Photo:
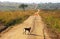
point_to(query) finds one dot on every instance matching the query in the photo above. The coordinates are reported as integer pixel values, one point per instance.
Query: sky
(32, 1)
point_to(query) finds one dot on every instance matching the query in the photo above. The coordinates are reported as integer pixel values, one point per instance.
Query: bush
(14, 21)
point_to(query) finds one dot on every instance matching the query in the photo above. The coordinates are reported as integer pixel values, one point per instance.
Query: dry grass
(9, 18)
(51, 18)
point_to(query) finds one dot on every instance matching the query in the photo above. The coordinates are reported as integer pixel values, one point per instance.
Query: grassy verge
(51, 18)
(9, 18)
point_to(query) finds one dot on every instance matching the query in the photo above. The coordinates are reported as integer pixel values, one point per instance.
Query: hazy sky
(32, 1)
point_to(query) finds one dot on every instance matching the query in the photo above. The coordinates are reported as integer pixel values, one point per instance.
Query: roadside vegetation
(9, 18)
(52, 20)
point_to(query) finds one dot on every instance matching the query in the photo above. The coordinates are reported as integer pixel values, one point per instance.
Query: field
(52, 20)
(50, 17)
(9, 18)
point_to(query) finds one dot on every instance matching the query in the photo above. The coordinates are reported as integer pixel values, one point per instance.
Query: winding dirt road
(37, 31)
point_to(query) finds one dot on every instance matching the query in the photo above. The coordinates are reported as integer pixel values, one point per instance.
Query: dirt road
(37, 31)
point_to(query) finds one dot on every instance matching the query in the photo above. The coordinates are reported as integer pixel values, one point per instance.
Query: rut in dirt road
(37, 29)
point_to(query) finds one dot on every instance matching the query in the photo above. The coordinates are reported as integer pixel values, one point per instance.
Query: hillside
(15, 6)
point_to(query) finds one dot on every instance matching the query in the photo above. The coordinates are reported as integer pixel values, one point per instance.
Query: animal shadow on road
(34, 34)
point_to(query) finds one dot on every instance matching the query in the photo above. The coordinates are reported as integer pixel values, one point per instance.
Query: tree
(23, 6)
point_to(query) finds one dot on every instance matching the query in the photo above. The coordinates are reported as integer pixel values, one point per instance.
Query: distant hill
(49, 6)
(8, 6)
(14, 6)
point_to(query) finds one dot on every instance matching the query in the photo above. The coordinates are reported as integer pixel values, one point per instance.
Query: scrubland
(52, 20)
(9, 18)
